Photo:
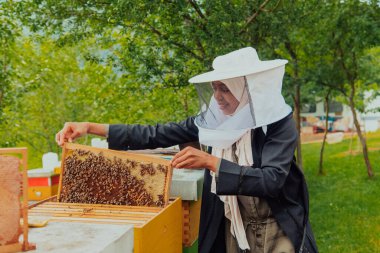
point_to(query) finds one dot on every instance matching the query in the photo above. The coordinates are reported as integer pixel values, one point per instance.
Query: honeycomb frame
(103, 176)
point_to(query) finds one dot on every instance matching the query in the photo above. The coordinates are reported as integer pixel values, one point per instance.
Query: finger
(74, 135)
(180, 153)
(57, 138)
(180, 159)
(60, 138)
(63, 133)
(187, 164)
(183, 165)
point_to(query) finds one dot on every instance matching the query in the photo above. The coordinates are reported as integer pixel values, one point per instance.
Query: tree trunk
(359, 131)
(297, 115)
(186, 104)
(320, 171)
(1, 99)
(297, 101)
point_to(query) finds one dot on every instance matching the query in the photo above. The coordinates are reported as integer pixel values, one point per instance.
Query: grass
(344, 203)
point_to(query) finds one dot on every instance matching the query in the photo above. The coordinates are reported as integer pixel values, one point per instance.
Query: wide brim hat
(238, 63)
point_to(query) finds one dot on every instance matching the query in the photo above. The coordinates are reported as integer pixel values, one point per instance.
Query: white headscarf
(224, 130)
(243, 150)
(238, 90)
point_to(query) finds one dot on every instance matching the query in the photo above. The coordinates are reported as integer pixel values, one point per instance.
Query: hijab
(243, 153)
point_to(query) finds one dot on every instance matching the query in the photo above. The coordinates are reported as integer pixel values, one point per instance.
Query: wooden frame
(120, 154)
(25, 245)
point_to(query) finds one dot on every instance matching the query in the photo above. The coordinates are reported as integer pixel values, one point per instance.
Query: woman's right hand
(72, 131)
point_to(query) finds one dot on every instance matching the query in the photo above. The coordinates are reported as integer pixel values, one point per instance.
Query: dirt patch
(354, 152)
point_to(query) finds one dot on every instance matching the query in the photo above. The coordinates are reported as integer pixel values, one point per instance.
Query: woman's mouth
(222, 106)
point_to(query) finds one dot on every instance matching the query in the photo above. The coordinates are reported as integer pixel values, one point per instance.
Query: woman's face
(223, 96)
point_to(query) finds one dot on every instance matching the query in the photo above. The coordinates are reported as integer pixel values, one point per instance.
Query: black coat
(274, 177)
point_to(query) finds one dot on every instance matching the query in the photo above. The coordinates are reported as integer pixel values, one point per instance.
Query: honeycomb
(10, 180)
(98, 176)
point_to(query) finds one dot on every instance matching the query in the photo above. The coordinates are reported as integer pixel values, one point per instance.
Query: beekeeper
(254, 196)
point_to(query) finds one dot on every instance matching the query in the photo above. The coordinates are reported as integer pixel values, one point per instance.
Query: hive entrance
(101, 176)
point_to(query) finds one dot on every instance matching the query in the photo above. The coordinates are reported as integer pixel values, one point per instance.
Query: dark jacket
(274, 177)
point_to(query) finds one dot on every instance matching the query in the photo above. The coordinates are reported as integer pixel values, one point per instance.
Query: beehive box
(42, 184)
(156, 229)
(102, 176)
(68, 237)
(157, 221)
(191, 216)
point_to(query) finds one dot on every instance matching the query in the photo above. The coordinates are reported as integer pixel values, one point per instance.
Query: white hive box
(62, 237)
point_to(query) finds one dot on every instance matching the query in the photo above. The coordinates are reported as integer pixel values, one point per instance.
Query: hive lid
(41, 172)
(103, 176)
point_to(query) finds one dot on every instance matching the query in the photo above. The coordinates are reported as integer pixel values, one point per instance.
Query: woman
(254, 197)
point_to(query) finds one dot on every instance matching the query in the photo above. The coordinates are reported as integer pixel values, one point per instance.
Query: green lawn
(344, 203)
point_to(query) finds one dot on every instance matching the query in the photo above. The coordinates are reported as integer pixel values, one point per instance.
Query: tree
(161, 37)
(289, 34)
(336, 33)
(160, 45)
(323, 75)
(57, 84)
(50, 90)
(357, 29)
(166, 43)
(9, 30)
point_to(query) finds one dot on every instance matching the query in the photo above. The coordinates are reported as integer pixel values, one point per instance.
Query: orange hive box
(103, 176)
(42, 184)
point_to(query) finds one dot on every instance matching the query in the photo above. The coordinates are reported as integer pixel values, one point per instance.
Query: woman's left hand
(192, 158)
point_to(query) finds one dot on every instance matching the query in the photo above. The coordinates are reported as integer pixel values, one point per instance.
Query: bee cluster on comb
(99, 176)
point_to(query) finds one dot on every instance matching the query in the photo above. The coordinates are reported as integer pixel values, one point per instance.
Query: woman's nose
(218, 95)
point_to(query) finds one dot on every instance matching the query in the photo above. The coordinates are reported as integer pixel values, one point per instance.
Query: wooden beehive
(191, 215)
(13, 188)
(103, 176)
(156, 229)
